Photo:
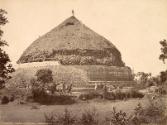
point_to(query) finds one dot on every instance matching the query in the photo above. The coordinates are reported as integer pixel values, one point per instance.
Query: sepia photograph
(83, 62)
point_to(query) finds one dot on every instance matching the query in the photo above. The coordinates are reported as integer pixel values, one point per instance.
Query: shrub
(65, 119)
(4, 100)
(110, 96)
(44, 82)
(54, 99)
(161, 90)
(19, 93)
(50, 119)
(44, 75)
(119, 95)
(39, 85)
(12, 98)
(2, 84)
(89, 118)
(138, 118)
(153, 113)
(89, 95)
(123, 95)
(135, 94)
(34, 107)
(118, 118)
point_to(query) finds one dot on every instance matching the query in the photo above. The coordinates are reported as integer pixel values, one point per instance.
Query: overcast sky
(135, 27)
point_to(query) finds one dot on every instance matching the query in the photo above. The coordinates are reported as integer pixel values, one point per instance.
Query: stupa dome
(72, 43)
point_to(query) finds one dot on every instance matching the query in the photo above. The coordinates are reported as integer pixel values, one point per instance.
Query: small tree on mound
(39, 85)
(44, 76)
(5, 67)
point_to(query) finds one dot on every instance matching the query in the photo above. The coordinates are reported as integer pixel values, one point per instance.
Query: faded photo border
(122, 44)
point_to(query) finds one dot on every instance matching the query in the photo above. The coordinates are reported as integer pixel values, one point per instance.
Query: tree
(42, 84)
(5, 67)
(143, 77)
(163, 57)
(163, 54)
(44, 76)
(163, 76)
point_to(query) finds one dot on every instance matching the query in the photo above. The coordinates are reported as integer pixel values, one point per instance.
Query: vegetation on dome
(73, 43)
(76, 57)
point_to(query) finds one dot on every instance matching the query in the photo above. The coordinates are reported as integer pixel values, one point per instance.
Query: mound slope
(79, 76)
(72, 38)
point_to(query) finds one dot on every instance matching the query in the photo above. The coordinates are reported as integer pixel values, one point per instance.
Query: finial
(72, 12)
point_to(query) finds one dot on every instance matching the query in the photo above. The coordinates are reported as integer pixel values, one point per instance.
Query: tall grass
(67, 118)
(152, 114)
(89, 117)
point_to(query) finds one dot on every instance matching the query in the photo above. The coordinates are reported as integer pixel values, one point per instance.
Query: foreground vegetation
(35, 112)
(154, 113)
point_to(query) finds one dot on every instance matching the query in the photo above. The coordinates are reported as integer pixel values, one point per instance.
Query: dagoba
(72, 44)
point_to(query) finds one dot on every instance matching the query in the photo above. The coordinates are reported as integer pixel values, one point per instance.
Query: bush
(123, 95)
(161, 90)
(135, 94)
(54, 99)
(38, 94)
(111, 95)
(39, 85)
(154, 113)
(89, 118)
(118, 118)
(44, 82)
(34, 107)
(119, 95)
(12, 98)
(17, 92)
(89, 95)
(66, 119)
(4, 100)
(44, 75)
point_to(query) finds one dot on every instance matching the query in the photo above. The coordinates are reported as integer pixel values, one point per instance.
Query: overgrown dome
(72, 42)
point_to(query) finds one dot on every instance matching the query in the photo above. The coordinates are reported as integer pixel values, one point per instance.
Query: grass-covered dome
(72, 43)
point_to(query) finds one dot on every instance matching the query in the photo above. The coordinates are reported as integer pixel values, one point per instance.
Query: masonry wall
(78, 75)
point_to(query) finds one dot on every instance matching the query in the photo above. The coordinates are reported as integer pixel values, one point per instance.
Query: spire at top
(72, 12)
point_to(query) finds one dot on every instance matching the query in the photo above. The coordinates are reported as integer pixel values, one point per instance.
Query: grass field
(24, 113)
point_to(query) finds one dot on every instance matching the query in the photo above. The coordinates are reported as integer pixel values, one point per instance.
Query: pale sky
(135, 27)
